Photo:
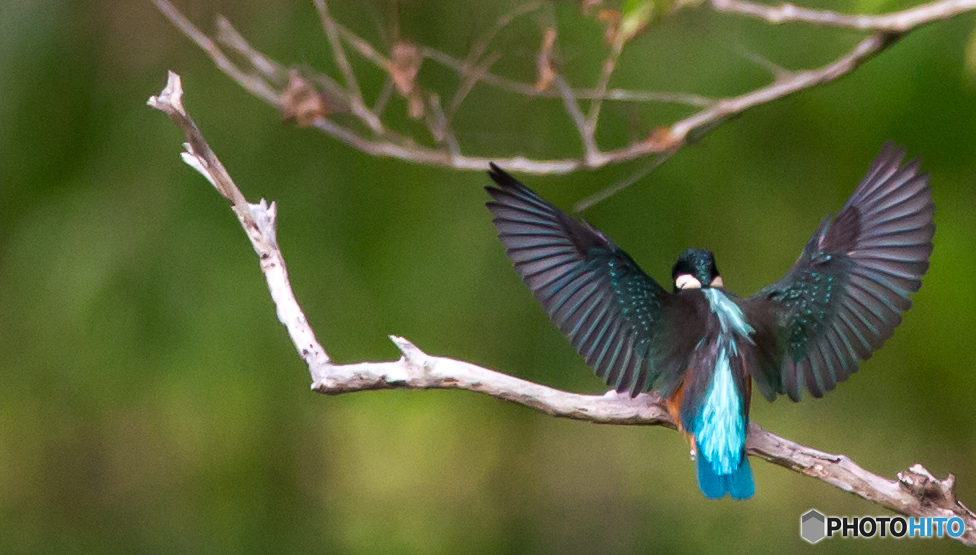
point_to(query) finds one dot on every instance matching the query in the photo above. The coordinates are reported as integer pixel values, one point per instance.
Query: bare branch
(229, 37)
(529, 89)
(264, 79)
(470, 78)
(609, 65)
(481, 45)
(897, 22)
(359, 108)
(694, 127)
(386, 93)
(418, 370)
(440, 127)
(916, 492)
(620, 186)
(258, 221)
(676, 135)
(423, 155)
(587, 134)
(252, 83)
(778, 72)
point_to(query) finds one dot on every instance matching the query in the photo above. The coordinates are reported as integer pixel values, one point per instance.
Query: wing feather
(848, 290)
(611, 311)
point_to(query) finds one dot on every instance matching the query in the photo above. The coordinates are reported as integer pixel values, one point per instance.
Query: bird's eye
(717, 282)
(685, 281)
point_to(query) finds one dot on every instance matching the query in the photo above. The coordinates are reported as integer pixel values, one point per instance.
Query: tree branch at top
(342, 113)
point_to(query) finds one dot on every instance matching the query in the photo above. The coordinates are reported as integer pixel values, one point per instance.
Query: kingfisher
(701, 346)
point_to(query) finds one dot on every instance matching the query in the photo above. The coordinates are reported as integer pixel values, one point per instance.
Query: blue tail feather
(739, 484)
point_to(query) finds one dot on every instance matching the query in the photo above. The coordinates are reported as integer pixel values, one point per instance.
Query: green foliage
(635, 15)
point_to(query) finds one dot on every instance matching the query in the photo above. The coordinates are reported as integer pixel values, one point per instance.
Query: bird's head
(695, 269)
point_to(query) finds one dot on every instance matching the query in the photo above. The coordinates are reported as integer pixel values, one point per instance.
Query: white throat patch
(686, 281)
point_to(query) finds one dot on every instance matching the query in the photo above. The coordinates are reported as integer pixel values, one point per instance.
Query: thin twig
(440, 126)
(529, 89)
(231, 38)
(356, 102)
(896, 22)
(364, 48)
(677, 134)
(616, 188)
(367, 51)
(252, 83)
(481, 45)
(274, 72)
(916, 493)
(775, 70)
(609, 65)
(738, 49)
(694, 127)
(468, 80)
(591, 154)
(423, 155)
(386, 93)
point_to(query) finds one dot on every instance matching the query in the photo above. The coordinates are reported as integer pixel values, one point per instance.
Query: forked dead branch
(915, 492)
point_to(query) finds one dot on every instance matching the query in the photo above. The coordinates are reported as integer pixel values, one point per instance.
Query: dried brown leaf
(611, 20)
(544, 61)
(661, 139)
(301, 102)
(405, 61)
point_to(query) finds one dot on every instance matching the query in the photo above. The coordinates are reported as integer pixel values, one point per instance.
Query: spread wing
(593, 291)
(848, 290)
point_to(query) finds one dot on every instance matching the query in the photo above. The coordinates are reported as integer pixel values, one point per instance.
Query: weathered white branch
(258, 221)
(915, 493)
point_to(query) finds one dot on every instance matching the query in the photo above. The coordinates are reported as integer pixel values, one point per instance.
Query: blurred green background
(151, 403)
